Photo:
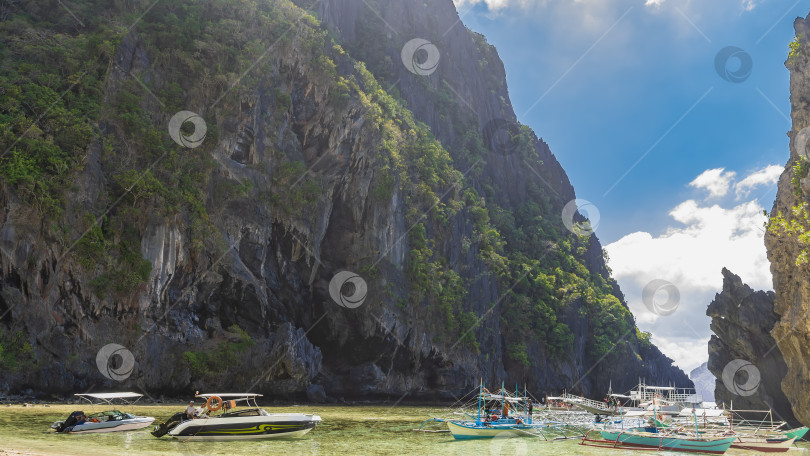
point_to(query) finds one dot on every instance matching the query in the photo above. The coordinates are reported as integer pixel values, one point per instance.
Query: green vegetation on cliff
(56, 119)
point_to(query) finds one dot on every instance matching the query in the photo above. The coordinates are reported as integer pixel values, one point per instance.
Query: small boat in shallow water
(764, 444)
(503, 414)
(650, 438)
(233, 423)
(106, 421)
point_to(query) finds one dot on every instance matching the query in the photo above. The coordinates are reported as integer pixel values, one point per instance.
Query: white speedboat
(106, 421)
(236, 421)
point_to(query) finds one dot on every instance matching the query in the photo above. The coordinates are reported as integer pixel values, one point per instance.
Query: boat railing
(579, 400)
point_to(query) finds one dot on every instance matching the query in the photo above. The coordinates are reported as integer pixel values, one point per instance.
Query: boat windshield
(109, 415)
(245, 412)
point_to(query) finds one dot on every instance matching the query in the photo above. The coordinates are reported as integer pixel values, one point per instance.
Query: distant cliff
(704, 381)
(743, 356)
(251, 195)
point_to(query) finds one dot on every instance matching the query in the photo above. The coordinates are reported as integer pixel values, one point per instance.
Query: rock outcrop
(310, 168)
(786, 236)
(743, 356)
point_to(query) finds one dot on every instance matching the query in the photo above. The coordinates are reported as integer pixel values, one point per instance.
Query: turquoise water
(346, 430)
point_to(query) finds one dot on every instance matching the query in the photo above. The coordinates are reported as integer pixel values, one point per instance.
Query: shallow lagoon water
(345, 430)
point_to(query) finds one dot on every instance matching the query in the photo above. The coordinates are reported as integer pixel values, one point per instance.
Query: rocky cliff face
(743, 356)
(786, 239)
(218, 263)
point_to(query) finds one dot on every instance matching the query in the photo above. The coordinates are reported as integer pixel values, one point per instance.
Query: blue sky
(605, 82)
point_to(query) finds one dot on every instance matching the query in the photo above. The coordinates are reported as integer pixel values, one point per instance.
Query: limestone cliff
(216, 253)
(786, 238)
(743, 356)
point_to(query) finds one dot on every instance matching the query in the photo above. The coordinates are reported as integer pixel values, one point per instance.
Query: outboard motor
(163, 428)
(70, 421)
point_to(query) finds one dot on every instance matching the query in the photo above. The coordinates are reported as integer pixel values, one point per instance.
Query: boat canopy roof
(231, 395)
(106, 398)
(624, 396)
(501, 397)
(127, 395)
(711, 413)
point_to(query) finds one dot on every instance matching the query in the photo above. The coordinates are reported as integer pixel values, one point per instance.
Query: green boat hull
(684, 444)
(798, 433)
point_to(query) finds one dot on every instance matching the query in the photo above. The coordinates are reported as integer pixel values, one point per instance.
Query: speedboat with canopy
(235, 416)
(111, 420)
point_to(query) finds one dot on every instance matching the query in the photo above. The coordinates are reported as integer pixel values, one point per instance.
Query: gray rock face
(791, 277)
(271, 274)
(743, 356)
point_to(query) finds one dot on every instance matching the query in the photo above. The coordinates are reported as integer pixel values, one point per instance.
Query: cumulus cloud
(766, 176)
(717, 181)
(702, 238)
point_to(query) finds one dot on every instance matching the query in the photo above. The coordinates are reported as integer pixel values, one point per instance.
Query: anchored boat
(106, 421)
(503, 414)
(651, 438)
(239, 418)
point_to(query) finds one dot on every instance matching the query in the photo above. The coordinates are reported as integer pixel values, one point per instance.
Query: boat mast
(480, 394)
(503, 397)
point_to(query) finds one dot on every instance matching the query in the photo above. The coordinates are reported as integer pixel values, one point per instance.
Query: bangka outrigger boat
(502, 414)
(106, 421)
(235, 421)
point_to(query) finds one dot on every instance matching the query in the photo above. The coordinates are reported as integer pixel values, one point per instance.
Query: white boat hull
(763, 445)
(465, 432)
(270, 426)
(111, 426)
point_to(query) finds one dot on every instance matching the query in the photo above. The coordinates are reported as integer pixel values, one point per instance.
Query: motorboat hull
(245, 428)
(619, 439)
(110, 426)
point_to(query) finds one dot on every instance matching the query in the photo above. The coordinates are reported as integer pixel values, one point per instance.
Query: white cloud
(766, 176)
(701, 240)
(655, 3)
(717, 181)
